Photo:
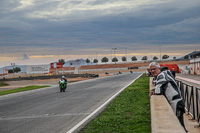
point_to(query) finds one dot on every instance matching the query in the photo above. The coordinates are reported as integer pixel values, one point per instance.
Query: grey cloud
(99, 2)
(171, 22)
(24, 57)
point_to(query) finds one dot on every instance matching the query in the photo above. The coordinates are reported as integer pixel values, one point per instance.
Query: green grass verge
(127, 113)
(3, 84)
(32, 87)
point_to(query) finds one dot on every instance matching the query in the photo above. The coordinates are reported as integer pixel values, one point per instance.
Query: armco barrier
(191, 97)
(163, 119)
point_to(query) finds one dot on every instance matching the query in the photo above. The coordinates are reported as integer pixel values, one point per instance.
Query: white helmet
(63, 77)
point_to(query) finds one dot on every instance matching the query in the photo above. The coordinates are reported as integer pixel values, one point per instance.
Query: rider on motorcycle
(63, 84)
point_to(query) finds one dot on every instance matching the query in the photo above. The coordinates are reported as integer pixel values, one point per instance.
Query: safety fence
(191, 97)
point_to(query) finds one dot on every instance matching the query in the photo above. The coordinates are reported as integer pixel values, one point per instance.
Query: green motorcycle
(62, 85)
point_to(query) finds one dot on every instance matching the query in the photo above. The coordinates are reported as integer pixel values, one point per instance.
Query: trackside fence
(191, 97)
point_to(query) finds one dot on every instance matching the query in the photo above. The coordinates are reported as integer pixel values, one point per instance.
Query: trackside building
(195, 64)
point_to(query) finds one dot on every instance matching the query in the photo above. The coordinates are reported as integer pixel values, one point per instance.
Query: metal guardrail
(191, 97)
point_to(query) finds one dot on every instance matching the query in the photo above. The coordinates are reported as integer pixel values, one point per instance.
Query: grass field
(32, 87)
(128, 113)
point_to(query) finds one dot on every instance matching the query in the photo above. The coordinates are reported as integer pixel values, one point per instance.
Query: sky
(43, 31)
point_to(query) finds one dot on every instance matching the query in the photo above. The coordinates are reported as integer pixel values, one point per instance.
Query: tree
(186, 57)
(104, 59)
(144, 58)
(16, 69)
(61, 61)
(123, 58)
(95, 61)
(133, 58)
(115, 60)
(165, 56)
(10, 71)
(155, 58)
(87, 61)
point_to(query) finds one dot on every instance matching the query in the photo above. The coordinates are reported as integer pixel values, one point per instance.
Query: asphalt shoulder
(189, 76)
(193, 80)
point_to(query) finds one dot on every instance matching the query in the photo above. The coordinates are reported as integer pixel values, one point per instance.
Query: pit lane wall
(163, 119)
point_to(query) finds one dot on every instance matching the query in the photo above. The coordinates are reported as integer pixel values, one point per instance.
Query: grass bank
(3, 84)
(32, 87)
(127, 113)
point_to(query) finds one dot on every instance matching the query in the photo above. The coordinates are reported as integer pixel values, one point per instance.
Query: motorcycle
(62, 85)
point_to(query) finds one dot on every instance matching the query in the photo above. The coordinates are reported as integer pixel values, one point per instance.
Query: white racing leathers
(167, 86)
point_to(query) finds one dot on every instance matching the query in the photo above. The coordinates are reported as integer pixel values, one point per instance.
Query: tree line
(115, 59)
(134, 58)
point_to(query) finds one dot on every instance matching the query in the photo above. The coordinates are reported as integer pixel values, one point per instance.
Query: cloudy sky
(43, 31)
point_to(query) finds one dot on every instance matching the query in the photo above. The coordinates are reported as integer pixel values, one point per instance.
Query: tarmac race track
(49, 111)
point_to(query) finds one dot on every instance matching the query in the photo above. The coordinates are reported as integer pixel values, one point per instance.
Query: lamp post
(111, 56)
(114, 50)
(96, 58)
(13, 65)
(114, 53)
(126, 54)
(160, 51)
(91, 58)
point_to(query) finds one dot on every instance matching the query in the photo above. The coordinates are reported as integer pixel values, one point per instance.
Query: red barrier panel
(171, 66)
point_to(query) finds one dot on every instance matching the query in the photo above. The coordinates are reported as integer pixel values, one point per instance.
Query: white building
(195, 64)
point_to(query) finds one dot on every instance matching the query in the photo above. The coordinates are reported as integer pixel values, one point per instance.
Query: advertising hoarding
(56, 65)
(37, 69)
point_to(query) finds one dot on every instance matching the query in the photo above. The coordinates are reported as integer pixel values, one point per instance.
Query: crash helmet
(63, 77)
